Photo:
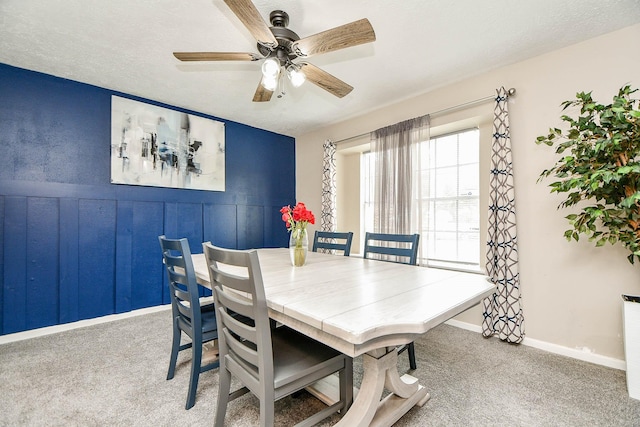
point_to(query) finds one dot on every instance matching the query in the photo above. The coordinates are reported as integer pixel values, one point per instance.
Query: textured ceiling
(127, 45)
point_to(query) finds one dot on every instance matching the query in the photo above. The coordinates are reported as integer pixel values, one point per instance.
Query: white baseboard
(554, 348)
(19, 336)
(542, 345)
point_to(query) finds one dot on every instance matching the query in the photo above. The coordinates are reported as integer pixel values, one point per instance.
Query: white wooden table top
(356, 305)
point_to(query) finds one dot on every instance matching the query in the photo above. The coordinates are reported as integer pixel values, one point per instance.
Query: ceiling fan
(279, 47)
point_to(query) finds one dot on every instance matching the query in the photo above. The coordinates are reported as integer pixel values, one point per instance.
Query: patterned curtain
(328, 219)
(502, 311)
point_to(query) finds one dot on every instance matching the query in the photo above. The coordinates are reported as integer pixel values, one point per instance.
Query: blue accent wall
(74, 246)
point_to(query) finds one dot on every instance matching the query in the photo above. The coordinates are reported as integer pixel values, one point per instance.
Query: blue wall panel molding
(69, 259)
(146, 272)
(2, 260)
(124, 258)
(14, 295)
(74, 246)
(42, 264)
(97, 258)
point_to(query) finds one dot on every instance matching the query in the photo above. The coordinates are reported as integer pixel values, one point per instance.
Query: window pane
(446, 215)
(446, 182)
(446, 152)
(468, 143)
(469, 184)
(445, 246)
(468, 215)
(468, 248)
(428, 218)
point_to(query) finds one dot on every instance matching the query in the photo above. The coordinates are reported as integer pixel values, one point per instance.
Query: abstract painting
(160, 147)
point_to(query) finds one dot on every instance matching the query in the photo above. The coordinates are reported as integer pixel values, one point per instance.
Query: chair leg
(224, 386)
(196, 361)
(412, 356)
(267, 410)
(175, 348)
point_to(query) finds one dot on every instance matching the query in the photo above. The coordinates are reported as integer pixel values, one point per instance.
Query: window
(451, 205)
(450, 237)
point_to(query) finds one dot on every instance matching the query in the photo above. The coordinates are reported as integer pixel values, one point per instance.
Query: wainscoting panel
(220, 226)
(43, 238)
(146, 272)
(251, 227)
(97, 257)
(68, 259)
(14, 295)
(73, 246)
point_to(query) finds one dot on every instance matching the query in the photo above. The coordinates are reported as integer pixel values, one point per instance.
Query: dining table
(365, 307)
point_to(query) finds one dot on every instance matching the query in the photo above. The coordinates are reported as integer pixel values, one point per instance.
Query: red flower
(298, 217)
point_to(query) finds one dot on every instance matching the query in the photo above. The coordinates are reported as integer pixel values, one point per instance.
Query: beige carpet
(114, 374)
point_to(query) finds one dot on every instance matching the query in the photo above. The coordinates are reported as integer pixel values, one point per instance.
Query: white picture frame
(160, 147)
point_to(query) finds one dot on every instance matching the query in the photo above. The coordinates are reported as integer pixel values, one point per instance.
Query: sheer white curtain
(397, 184)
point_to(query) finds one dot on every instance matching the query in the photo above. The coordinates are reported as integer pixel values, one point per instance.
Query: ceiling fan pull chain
(281, 89)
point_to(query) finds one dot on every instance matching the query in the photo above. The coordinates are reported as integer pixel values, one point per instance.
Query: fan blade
(353, 34)
(325, 80)
(216, 56)
(262, 94)
(250, 17)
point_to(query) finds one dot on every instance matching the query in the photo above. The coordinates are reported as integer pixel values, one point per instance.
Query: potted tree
(599, 172)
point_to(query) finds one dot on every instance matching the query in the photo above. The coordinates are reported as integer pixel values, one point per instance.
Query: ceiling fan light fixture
(271, 68)
(270, 82)
(296, 75)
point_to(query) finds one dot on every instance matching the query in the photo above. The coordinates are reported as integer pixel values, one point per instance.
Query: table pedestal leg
(380, 372)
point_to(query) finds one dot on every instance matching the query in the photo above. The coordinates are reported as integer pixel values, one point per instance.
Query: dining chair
(270, 362)
(402, 248)
(329, 240)
(196, 320)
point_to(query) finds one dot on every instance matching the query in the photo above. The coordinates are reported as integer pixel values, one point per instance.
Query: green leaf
(625, 169)
(630, 201)
(596, 213)
(599, 160)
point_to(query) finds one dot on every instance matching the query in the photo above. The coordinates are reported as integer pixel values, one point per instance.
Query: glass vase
(298, 246)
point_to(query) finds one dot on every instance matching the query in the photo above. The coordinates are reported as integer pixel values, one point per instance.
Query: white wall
(570, 291)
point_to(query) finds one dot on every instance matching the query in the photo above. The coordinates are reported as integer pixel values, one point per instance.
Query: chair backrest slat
(242, 312)
(404, 246)
(183, 285)
(329, 240)
(244, 352)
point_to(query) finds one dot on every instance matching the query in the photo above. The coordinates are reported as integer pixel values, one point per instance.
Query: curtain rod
(510, 92)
